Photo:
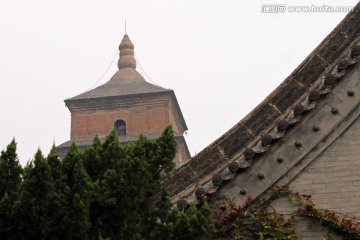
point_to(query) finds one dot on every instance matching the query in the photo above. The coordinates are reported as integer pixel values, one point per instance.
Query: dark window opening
(120, 127)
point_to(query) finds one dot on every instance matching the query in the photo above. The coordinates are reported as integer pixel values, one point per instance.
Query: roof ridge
(303, 86)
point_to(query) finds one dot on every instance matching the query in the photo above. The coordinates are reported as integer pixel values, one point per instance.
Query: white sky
(221, 57)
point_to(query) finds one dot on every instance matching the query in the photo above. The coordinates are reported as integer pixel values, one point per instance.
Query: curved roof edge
(273, 112)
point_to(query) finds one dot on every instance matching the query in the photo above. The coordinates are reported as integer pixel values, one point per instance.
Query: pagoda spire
(127, 59)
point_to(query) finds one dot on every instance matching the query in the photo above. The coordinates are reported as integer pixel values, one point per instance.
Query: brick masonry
(148, 115)
(333, 181)
(307, 229)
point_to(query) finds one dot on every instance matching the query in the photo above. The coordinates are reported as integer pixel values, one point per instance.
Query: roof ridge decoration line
(322, 86)
(296, 169)
(112, 97)
(324, 55)
(118, 101)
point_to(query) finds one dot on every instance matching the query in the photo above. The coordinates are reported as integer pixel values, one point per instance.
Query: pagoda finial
(126, 48)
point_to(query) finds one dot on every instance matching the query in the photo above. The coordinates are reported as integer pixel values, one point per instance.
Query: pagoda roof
(126, 81)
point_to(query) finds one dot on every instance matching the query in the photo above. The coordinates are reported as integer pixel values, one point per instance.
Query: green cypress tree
(6, 218)
(123, 199)
(35, 207)
(162, 160)
(54, 163)
(194, 223)
(130, 197)
(59, 203)
(10, 182)
(95, 167)
(76, 188)
(93, 163)
(10, 171)
(110, 153)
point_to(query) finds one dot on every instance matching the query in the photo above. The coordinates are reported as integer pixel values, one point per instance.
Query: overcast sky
(221, 57)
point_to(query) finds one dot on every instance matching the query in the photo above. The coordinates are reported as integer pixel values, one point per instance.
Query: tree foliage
(35, 201)
(10, 171)
(107, 192)
(10, 182)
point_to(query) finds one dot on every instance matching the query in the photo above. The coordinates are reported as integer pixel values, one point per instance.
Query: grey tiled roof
(126, 81)
(233, 152)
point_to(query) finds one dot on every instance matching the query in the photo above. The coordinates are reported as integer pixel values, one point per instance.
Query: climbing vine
(236, 222)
